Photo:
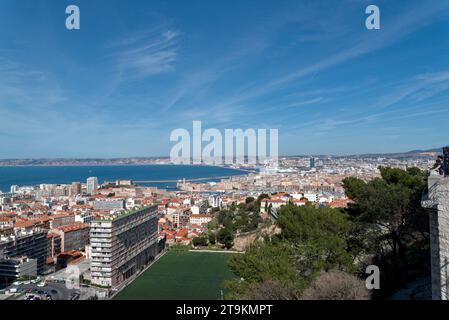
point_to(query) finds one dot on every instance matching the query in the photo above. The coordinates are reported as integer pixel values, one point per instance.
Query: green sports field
(181, 276)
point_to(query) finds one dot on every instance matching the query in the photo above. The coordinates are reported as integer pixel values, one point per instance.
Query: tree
(254, 221)
(270, 290)
(390, 206)
(199, 241)
(263, 262)
(336, 285)
(226, 218)
(324, 228)
(353, 187)
(312, 241)
(272, 265)
(248, 200)
(222, 216)
(212, 238)
(212, 225)
(225, 237)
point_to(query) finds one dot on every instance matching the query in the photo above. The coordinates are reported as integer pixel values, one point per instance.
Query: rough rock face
(243, 240)
(437, 203)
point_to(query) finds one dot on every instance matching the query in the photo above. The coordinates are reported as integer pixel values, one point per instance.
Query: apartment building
(54, 246)
(200, 218)
(32, 244)
(74, 236)
(13, 268)
(84, 217)
(91, 185)
(61, 219)
(122, 244)
(75, 188)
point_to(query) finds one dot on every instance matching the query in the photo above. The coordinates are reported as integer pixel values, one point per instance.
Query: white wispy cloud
(395, 29)
(417, 89)
(142, 55)
(409, 99)
(23, 87)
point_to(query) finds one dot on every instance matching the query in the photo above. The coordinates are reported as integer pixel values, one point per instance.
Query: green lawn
(181, 276)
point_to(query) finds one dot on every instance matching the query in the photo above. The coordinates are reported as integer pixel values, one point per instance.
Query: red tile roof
(73, 227)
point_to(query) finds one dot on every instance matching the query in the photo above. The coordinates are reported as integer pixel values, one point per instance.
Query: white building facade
(122, 245)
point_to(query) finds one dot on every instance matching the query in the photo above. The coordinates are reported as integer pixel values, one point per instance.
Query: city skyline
(136, 71)
(167, 157)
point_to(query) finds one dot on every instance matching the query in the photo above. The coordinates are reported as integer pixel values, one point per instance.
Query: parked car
(75, 296)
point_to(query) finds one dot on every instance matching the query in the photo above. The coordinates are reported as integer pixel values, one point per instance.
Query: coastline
(124, 164)
(163, 176)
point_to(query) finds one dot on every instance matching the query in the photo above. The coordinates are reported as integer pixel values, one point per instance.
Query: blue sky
(139, 69)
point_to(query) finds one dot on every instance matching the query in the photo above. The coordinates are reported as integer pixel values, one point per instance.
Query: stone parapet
(436, 201)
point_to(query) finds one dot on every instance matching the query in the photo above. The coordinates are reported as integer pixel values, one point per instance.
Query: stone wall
(437, 203)
(244, 240)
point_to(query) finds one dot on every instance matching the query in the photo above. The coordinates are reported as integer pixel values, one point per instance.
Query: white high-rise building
(122, 245)
(92, 185)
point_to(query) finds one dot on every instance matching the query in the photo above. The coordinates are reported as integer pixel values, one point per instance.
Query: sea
(35, 175)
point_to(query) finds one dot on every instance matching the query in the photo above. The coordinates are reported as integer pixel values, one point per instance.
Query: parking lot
(51, 291)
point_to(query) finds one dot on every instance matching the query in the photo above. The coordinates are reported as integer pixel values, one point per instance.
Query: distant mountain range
(166, 160)
(84, 161)
(439, 150)
(396, 155)
(412, 153)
